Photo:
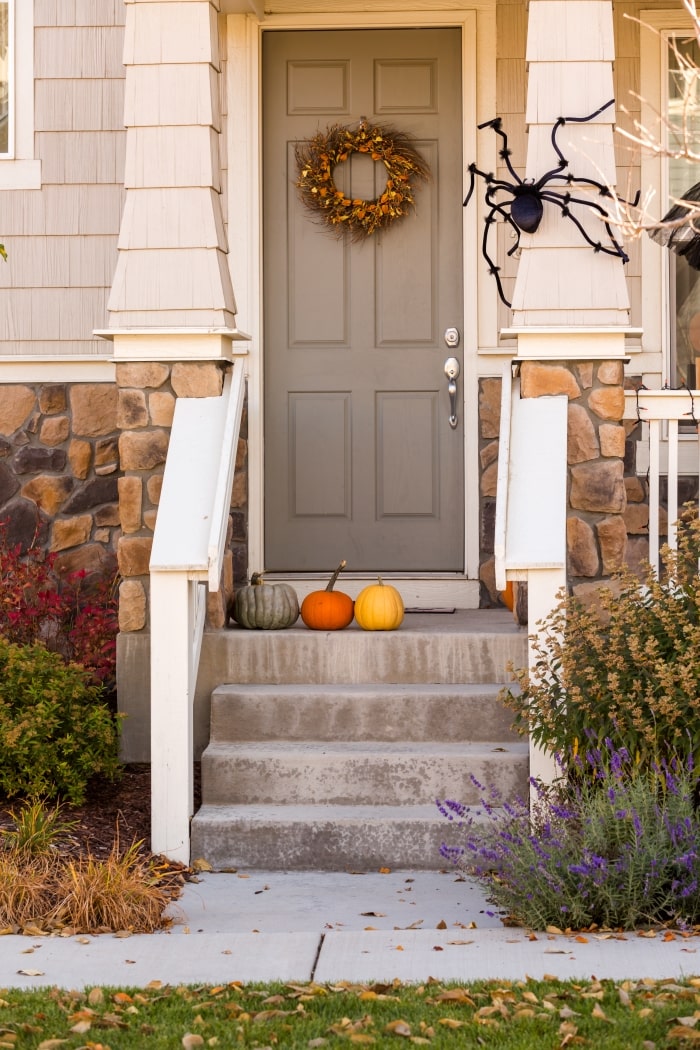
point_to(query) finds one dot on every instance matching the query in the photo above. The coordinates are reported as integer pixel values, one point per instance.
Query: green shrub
(626, 668)
(55, 732)
(37, 829)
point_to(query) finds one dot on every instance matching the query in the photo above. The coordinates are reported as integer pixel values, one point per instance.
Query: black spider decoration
(524, 211)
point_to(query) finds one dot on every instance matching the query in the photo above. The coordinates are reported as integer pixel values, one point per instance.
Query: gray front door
(361, 461)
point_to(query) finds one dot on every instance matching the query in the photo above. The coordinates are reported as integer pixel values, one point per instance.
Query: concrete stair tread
(354, 748)
(212, 812)
(361, 689)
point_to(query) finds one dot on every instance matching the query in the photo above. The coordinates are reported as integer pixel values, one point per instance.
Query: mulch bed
(113, 812)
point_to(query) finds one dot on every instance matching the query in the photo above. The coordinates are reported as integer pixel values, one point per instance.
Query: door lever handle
(452, 371)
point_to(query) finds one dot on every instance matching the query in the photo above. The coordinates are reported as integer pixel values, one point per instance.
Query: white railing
(530, 533)
(666, 448)
(187, 557)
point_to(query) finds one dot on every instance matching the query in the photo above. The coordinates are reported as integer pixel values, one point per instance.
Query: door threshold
(421, 592)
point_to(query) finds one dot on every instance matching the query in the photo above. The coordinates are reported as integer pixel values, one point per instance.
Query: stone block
(95, 559)
(80, 457)
(149, 519)
(637, 519)
(143, 450)
(612, 537)
(140, 374)
(161, 408)
(24, 525)
(598, 486)
(130, 503)
(217, 610)
(17, 403)
(132, 605)
(92, 494)
(637, 555)
(94, 409)
(5, 448)
(106, 456)
(8, 483)
(197, 379)
(612, 440)
(52, 399)
(538, 380)
(489, 480)
(133, 555)
(153, 488)
(54, 430)
(488, 454)
(583, 370)
(108, 514)
(102, 536)
(608, 402)
(30, 460)
(582, 441)
(634, 487)
(611, 373)
(487, 576)
(70, 532)
(489, 407)
(131, 409)
(48, 491)
(582, 548)
(589, 593)
(238, 526)
(239, 490)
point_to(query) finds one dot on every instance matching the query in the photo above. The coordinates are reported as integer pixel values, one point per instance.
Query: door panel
(360, 460)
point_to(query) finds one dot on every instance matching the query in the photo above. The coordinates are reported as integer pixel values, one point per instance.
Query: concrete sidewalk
(299, 926)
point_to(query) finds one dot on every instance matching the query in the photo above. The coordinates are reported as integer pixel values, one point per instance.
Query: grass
(524, 1015)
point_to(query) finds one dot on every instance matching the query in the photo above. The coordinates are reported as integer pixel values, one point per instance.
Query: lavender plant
(627, 666)
(617, 845)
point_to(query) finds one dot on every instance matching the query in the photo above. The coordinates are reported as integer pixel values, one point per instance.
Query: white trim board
(83, 369)
(244, 132)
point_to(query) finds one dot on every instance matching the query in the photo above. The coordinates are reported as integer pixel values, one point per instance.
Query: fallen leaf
(460, 942)
(451, 1022)
(374, 914)
(190, 1040)
(581, 939)
(599, 1013)
(687, 1022)
(200, 864)
(554, 929)
(686, 1035)
(646, 933)
(49, 1044)
(385, 871)
(442, 925)
(399, 1027)
(33, 973)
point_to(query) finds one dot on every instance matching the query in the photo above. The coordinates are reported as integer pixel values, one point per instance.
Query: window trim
(19, 168)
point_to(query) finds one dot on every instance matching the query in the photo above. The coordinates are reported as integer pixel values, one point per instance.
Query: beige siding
(62, 239)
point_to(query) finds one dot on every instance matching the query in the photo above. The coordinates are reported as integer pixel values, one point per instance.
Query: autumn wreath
(318, 157)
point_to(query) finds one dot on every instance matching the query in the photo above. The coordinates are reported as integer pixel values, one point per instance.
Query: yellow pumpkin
(379, 607)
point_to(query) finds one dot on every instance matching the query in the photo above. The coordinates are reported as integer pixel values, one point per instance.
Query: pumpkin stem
(380, 581)
(331, 583)
(256, 579)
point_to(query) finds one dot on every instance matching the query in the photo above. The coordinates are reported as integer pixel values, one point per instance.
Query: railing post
(172, 614)
(543, 588)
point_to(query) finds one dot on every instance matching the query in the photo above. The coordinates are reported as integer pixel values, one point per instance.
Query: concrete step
(326, 838)
(341, 773)
(469, 646)
(360, 712)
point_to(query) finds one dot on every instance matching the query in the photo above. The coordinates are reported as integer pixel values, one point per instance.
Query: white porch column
(570, 303)
(172, 269)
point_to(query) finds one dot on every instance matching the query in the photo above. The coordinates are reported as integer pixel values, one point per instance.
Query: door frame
(242, 54)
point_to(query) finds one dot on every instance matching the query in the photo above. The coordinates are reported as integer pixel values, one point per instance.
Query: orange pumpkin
(328, 610)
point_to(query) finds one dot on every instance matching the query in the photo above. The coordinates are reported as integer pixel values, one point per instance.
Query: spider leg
(489, 178)
(504, 153)
(493, 268)
(559, 123)
(563, 204)
(574, 180)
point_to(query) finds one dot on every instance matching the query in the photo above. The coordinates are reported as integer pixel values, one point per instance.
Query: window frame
(19, 167)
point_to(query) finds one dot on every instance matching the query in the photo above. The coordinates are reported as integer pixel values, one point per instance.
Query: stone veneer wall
(59, 465)
(604, 504)
(145, 407)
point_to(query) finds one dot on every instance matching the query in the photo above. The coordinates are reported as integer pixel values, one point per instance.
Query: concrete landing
(299, 926)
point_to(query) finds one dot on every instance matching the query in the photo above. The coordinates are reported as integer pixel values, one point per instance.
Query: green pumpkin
(266, 606)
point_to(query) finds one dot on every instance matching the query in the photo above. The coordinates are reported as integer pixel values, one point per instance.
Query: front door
(362, 461)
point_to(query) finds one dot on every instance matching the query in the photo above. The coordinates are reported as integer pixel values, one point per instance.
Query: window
(6, 70)
(683, 108)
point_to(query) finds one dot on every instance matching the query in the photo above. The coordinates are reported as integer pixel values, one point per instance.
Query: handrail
(186, 558)
(670, 454)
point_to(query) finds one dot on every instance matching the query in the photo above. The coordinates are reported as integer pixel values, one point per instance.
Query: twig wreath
(318, 157)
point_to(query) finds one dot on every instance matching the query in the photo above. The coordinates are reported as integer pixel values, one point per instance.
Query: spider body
(520, 203)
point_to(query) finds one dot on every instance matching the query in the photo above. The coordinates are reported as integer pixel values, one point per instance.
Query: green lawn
(525, 1015)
